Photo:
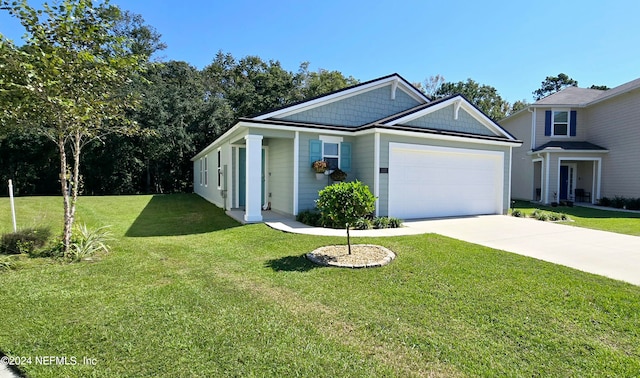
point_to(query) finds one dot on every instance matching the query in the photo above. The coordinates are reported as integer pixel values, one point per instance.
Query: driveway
(605, 253)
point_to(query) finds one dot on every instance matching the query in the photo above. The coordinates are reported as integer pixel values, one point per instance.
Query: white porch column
(253, 201)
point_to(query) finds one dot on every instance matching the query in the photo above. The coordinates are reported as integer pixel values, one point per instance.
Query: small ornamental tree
(344, 203)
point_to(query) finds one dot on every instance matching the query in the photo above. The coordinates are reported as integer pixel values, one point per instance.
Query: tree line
(177, 111)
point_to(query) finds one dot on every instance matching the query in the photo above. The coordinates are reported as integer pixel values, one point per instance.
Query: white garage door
(428, 181)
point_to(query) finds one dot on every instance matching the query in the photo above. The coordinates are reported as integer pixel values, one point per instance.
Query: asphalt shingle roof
(567, 146)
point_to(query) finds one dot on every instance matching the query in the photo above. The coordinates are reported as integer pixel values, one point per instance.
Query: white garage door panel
(427, 181)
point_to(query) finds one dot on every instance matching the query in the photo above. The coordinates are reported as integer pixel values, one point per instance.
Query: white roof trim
(458, 102)
(393, 81)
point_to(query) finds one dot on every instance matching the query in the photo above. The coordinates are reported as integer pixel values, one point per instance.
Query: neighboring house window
(560, 123)
(219, 170)
(200, 166)
(206, 171)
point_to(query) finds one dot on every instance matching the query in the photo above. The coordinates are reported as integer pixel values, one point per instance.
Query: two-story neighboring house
(579, 144)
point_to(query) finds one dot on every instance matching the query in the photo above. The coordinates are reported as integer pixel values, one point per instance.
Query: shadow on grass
(179, 214)
(291, 264)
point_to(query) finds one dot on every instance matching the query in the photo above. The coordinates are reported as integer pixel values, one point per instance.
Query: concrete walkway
(605, 253)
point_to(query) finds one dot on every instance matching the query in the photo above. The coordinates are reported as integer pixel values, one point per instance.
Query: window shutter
(345, 156)
(572, 123)
(315, 150)
(547, 123)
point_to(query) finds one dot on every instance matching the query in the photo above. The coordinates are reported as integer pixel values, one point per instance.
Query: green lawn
(607, 220)
(189, 292)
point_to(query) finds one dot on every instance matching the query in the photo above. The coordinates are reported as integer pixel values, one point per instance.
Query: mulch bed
(362, 256)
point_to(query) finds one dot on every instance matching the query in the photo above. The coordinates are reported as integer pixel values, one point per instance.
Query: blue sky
(511, 45)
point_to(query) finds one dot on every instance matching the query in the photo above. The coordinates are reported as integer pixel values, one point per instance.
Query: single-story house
(420, 158)
(579, 144)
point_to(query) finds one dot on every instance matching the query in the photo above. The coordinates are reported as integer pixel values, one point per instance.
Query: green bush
(395, 222)
(26, 240)
(363, 224)
(344, 203)
(381, 222)
(517, 213)
(310, 217)
(554, 217)
(604, 201)
(88, 242)
(6, 263)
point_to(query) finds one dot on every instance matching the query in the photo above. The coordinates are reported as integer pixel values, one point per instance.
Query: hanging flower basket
(338, 175)
(320, 166)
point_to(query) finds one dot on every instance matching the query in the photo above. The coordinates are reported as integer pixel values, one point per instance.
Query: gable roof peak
(394, 79)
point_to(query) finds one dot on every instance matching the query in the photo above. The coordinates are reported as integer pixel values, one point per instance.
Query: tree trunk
(68, 221)
(77, 146)
(348, 240)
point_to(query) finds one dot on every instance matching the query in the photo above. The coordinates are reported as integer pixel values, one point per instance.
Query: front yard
(186, 291)
(600, 219)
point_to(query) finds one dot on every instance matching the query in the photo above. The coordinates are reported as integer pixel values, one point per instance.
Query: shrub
(540, 215)
(344, 203)
(395, 222)
(604, 201)
(87, 242)
(564, 217)
(309, 217)
(633, 204)
(362, 224)
(618, 202)
(381, 222)
(517, 213)
(6, 263)
(26, 240)
(554, 217)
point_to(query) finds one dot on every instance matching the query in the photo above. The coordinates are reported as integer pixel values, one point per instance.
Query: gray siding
(308, 185)
(522, 167)
(443, 120)
(615, 125)
(280, 175)
(210, 191)
(363, 160)
(357, 110)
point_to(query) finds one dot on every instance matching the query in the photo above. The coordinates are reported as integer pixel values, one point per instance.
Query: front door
(564, 182)
(242, 176)
(568, 181)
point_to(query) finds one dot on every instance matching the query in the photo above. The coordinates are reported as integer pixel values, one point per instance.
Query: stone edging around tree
(362, 256)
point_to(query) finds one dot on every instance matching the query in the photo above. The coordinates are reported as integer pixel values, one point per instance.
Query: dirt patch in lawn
(362, 256)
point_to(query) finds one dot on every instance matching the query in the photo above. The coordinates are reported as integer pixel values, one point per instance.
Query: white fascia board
(466, 106)
(341, 95)
(455, 138)
(311, 129)
(219, 141)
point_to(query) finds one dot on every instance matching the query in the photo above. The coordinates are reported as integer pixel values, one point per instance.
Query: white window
(560, 125)
(201, 171)
(219, 169)
(331, 151)
(206, 171)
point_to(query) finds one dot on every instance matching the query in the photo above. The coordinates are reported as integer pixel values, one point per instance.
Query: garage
(432, 181)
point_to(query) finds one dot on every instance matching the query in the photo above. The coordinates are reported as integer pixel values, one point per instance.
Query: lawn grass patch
(606, 220)
(230, 300)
